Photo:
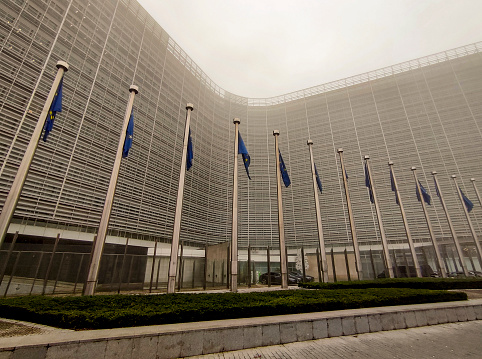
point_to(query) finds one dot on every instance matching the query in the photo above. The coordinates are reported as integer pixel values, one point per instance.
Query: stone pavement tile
(6, 354)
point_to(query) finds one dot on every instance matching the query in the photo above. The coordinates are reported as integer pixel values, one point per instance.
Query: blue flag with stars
(244, 152)
(468, 203)
(284, 172)
(425, 195)
(318, 181)
(129, 136)
(189, 154)
(55, 107)
(394, 188)
(368, 183)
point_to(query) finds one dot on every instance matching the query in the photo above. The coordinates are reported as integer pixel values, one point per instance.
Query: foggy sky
(267, 48)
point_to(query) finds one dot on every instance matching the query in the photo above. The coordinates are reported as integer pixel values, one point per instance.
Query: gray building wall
(425, 113)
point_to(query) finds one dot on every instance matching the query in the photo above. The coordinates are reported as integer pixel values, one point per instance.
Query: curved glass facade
(425, 113)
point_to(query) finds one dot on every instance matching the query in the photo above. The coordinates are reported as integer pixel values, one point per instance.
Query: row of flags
(56, 106)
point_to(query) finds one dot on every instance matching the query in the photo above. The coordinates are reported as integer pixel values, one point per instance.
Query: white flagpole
(429, 226)
(171, 284)
(324, 264)
(281, 228)
(405, 223)
(472, 230)
(17, 185)
(476, 191)
(451, 227)
(351, 219)
(234, 239)
(388, 260)
(92, 276)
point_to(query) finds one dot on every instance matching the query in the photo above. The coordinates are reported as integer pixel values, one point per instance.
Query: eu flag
(129, 136)
(394, 188)
(55, 107)
(368, 183)
(318, 181)
(425, 195)
(468, 203)
(284, 172)
(244, 152)
(189, 154)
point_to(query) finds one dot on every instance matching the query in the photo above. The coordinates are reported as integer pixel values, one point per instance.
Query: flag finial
(309, 142)
(189, 106)
(236, 120)
(434, 172)
(275, 132)
(63, 64)
(134, 88)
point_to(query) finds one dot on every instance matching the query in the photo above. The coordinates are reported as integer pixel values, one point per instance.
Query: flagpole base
(234, 283)
(325, 277)
(171, 284)
(89, 287)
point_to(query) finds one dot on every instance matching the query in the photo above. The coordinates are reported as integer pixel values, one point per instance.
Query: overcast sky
(264, 48)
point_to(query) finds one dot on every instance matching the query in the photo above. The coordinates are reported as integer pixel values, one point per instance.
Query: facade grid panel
(425, 113)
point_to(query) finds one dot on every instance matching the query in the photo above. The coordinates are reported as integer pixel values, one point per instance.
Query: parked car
(308, 278)
(409, 271)
(461, 274)
(276, 278)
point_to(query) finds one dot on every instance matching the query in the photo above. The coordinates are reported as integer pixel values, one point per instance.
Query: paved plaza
(454, 340)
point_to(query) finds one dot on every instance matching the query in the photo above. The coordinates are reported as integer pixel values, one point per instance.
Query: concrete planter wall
(188, 339)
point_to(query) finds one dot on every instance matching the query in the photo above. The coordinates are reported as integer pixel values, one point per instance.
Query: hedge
(414, 283)
(114, 311)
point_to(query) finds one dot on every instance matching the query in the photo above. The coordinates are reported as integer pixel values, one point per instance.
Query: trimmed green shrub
(414, 283)
(113, 311)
